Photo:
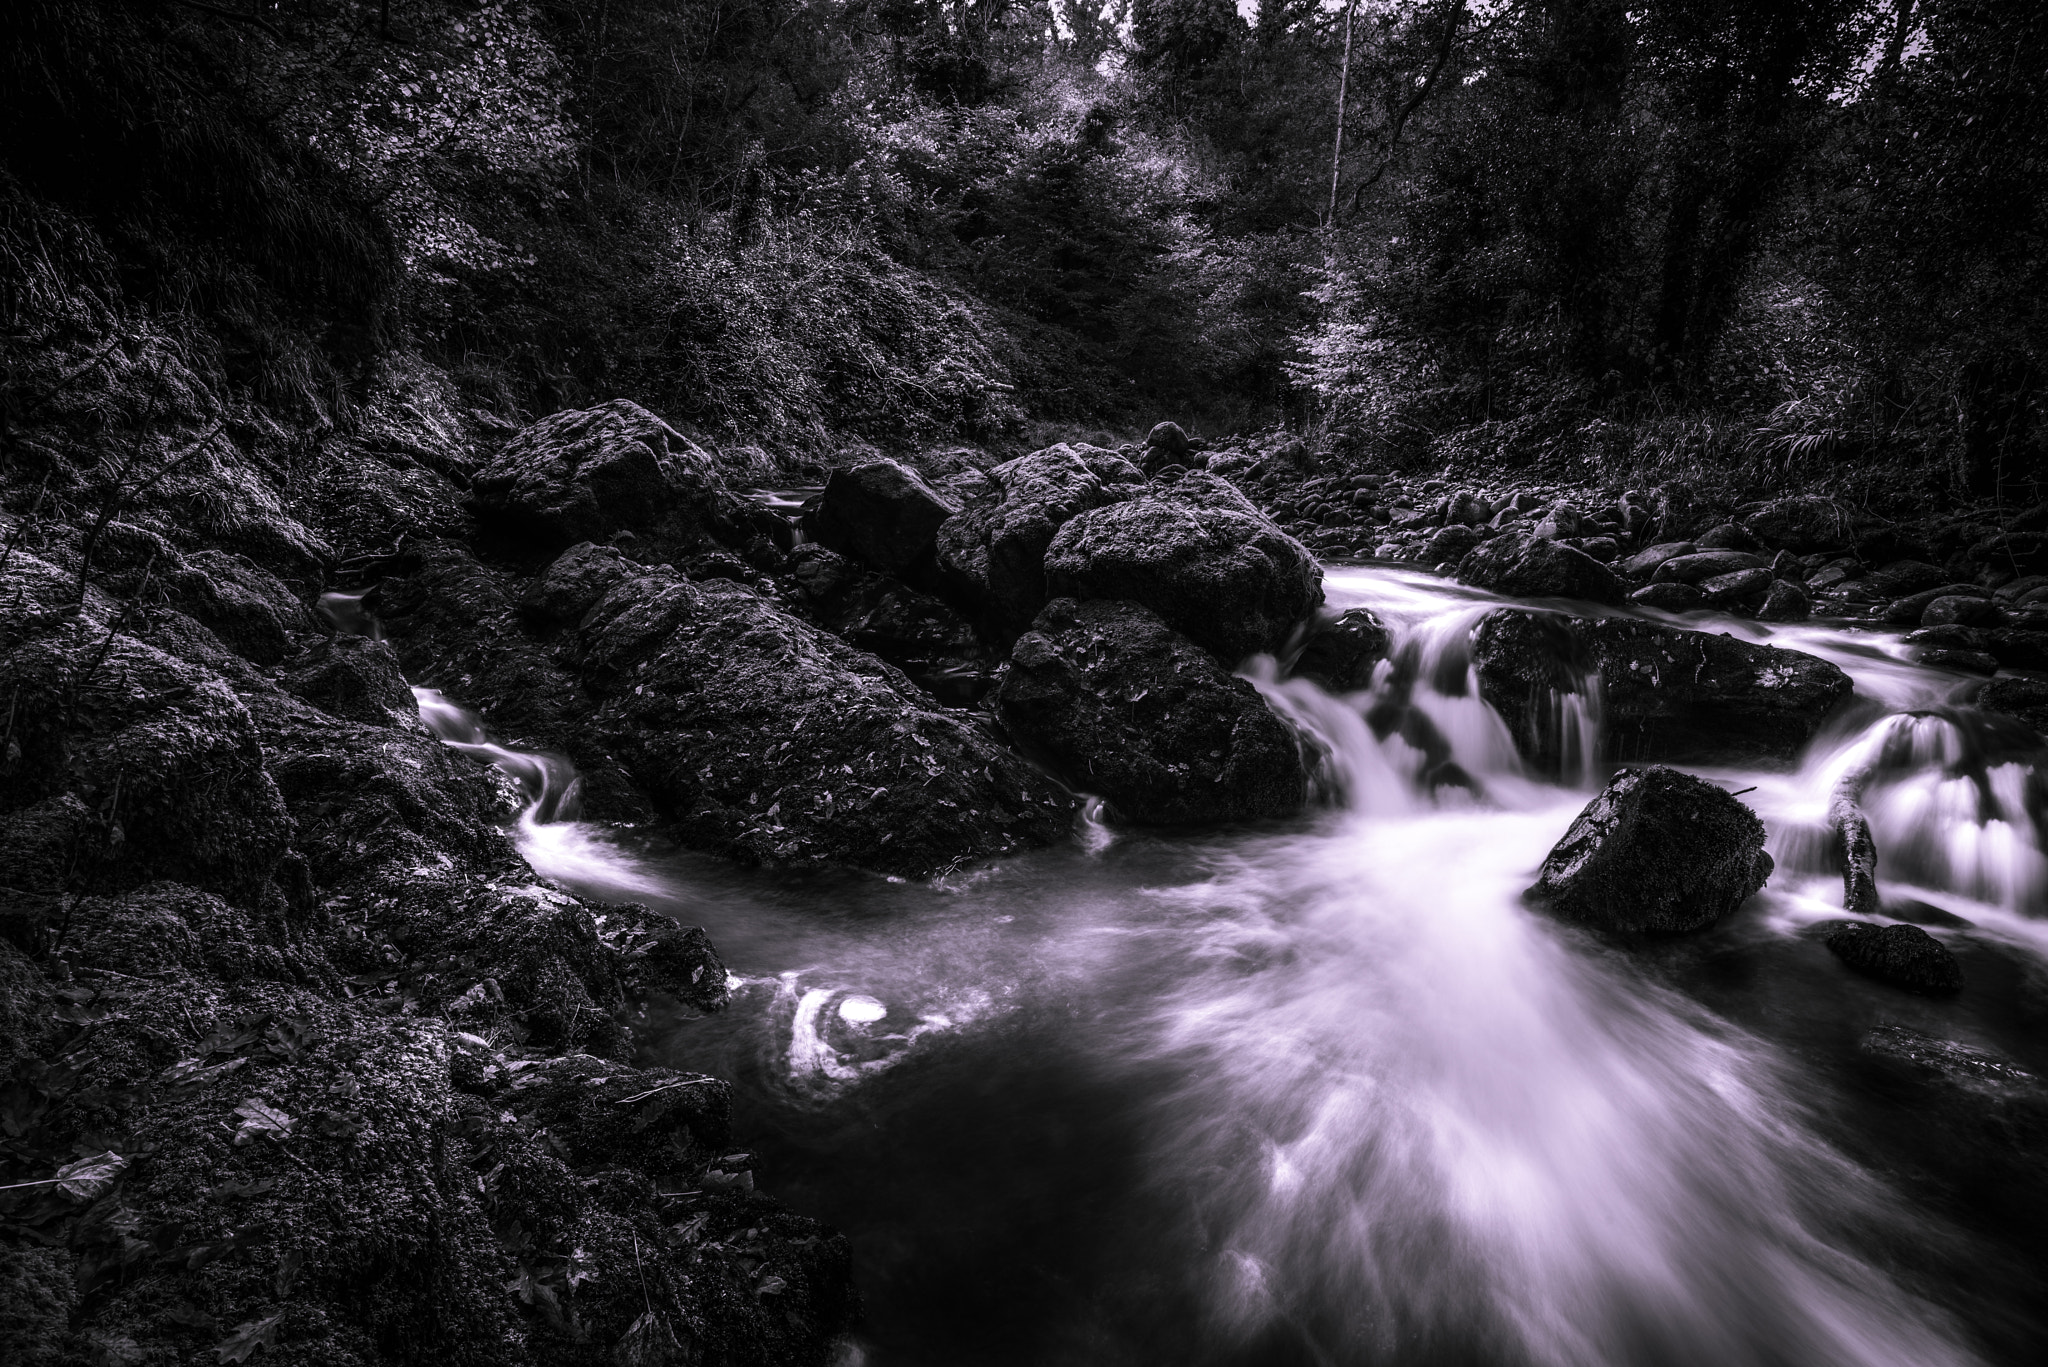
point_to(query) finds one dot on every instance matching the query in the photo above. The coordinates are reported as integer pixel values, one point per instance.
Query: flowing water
(1327, 1093)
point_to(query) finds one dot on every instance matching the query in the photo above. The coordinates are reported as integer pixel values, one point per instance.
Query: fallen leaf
(261, 1118)
(89, 1178)
(247, 1338)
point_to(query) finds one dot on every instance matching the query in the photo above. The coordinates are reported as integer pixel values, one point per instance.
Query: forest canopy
(1785, 236)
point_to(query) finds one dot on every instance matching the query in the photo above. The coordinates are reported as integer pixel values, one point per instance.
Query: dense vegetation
(1787, 240)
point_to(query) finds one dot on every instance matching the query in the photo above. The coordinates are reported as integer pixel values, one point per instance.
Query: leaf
(261, 1118)
(247, 1338)
(89, 1178)
(288, 1272)
(771, 1285)
(648, 1343)
(188, 1072)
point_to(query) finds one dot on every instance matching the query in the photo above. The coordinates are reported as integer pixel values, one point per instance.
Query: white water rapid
(1328, 1092)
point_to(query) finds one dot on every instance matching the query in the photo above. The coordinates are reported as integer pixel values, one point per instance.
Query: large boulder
(1521, 565)
(1127, 708)
(768, 739)
(1666, 694)
(1658, 850)
(584, 474)
(1199, 555)
(991, 554)
(882, 514)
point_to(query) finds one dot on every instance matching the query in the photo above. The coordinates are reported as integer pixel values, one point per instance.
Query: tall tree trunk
(1343, 89)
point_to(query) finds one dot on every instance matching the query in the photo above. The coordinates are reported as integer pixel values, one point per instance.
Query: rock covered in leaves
(584, 474)
(1521, 565)
(1657, 851)
(768, 739)
(991, 554)
(1123, 706)
(1200, 556)
(1666, 694)
(1902, 955)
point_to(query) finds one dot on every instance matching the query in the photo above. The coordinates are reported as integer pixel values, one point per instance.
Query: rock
(1902, 955)
(250, 609)
(883, 515)
(1520, 565)
(1903, 577)
(38, 1294)
(2024, 699)
(991, 554)
(1667, 694)
(1958, 661)
(916, 632)
(655, 954)
(1450, 545)
(607, 1116)
(1729, 537)
(769, 740)
(1656, 851)
(1910, 610)
(1787, 601)
(584, 474)
(1962, 610)
(1742, 586)
(1669, 597)
(1801, 523)
(1605, 549)
(1167, 442)
(1705, 565)
(353, 677)
(1341, 653)
(1560, 519)
(1127, 708)
(1201, 557)
(2015, 647)
(573, 583)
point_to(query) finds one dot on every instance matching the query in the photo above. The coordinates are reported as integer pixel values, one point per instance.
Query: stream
(1325, 1092)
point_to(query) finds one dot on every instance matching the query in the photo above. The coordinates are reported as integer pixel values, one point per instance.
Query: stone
(352, 677)
(1520, 565)
(584, 474)
(1909, 611)
(1705, 565)
(1963, 610)
(1669, 597)
(919, 634)
(1168, 441)
(991, 554)
(1738, 588)
(1902, 955)
(2016, 647)
(573, 582)
(1124, 707)
(2023, 699)
(1450, 545)
(1667, 694)
(1199, 555)
(1729, 536)
(1801, 523)
(1901, 578)
(1341, 653)
(1787, 601)
(1657, 851)
(882, 514)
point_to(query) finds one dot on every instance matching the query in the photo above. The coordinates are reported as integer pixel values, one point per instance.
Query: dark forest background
(1796, 241)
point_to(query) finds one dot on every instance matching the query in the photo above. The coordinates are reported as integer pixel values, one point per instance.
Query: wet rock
(1963, 610)
(770, 740)
(2024, 699)
(1656, 851)
(1902, 578)
(352, 677)
(1902, 955)
(1198, 555)
(883, 515)
(1729, 536)
(1669, 597)
(1960, 661)
(1704, 565)
(1125, 707)
(250, 609)
(2016, 647)
(1909, 611)
(1450, 545)
(991, 554)
(1667, 694)
(584, 474)
(1738, 588)
(1605, 549)
(1341, 653)
(573, 583)
(655, 954)
(1787, 601)
(930, 642)
(1801, 523)
(1167, 441)
(605, 1115)
(1520, 565)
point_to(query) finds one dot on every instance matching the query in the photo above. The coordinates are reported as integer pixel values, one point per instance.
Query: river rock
(1201, 557)
(1902, 955)
(1787, 601)
(1667, 694)
(355, 678)
(919, 634)
(991, 554)
(1901, 578)
(882, 514)
(2016, 696)
(572, 584)
(1659, 851)
(584, 474)
(1738, 588)
(1803, 523)
(2018, 647)
(1704, 565)
(1127, 708)
(1729, 536)
(1962, 610)
(1522, 565)
(767, 739)
(1669, 597)
(1450, 545)
(1909, 610)
(1341, 653)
